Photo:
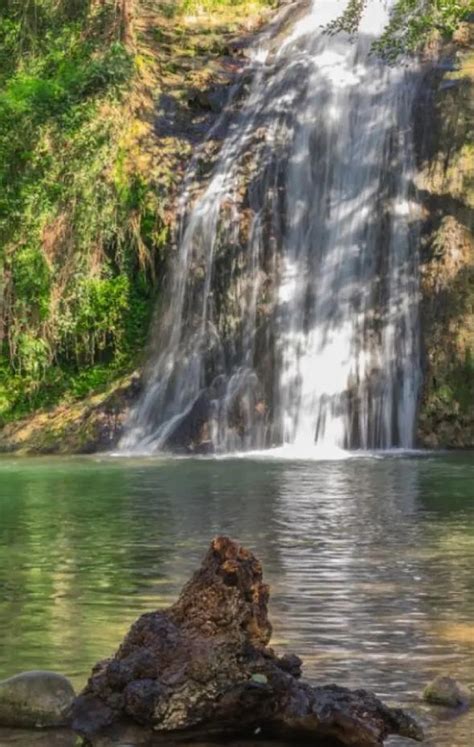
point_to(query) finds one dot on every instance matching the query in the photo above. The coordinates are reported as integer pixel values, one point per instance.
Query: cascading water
(291, 317)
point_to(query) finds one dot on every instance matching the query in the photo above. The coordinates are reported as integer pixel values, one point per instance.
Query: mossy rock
(35, 700)
(446, 691)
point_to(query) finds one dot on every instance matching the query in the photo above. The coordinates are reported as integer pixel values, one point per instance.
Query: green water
(371, 562)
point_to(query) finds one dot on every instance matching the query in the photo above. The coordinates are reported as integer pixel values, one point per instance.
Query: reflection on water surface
(370, 561)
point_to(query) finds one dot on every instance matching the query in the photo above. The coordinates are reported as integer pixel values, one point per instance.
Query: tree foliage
(414, 22)
(411, 24)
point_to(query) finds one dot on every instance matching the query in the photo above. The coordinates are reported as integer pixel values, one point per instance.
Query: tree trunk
(127, 15)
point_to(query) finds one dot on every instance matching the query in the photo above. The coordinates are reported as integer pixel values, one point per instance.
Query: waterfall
(291, 314)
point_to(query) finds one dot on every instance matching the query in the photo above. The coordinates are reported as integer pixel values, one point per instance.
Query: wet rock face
(35, 699)
(203, 668)
(190, 433)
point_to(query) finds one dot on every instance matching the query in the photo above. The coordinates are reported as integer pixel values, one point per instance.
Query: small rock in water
(35, 699)
(446, 691)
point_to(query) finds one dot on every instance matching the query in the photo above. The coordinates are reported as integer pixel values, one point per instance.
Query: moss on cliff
(91, 424)
(447, 185)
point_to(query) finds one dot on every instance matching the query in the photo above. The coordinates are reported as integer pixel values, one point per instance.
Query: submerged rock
(203, 669)
(446, 691)
(35, 699)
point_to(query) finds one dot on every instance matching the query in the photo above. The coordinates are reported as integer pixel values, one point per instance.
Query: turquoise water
(370, 560)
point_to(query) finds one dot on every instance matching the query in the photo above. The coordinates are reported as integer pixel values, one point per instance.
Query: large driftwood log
(203, 669)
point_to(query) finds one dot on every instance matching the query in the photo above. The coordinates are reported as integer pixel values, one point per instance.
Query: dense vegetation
(83, 219)
(74, 233)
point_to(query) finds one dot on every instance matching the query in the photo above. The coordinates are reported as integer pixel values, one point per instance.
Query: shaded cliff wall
(445, 130)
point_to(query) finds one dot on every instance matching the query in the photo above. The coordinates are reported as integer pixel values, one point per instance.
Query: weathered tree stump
(203, 669)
